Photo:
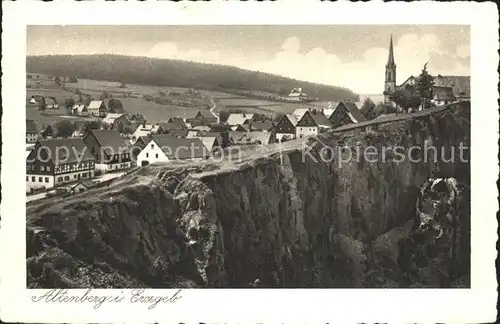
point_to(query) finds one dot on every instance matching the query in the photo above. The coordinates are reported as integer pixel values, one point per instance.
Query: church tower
(390, 74)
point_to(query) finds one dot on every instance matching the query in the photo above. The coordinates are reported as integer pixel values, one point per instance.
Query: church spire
(390, 60)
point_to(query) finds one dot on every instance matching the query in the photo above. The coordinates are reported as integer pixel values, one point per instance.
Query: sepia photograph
(248, 156)
(249, 162)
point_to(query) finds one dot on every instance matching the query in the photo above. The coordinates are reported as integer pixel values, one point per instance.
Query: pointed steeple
(390, 59)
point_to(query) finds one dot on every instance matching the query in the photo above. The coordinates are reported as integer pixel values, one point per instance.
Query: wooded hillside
(165, 72)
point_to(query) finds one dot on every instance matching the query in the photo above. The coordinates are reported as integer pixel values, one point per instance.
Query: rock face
(304, 217)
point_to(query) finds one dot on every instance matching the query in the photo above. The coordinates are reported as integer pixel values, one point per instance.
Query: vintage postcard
(334, 162)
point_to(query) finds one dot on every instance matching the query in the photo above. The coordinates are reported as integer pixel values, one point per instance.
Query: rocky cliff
(306, 215)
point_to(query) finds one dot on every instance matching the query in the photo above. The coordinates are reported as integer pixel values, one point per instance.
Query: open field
(58, 93)
(51, 116)
(155, 112)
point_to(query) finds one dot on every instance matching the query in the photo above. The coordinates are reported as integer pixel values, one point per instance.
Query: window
(147, 154)
(48, 169)
(40, 179)
(152, 146)
(66, 178)
(74, 176)
(84, 175)
(47, 179)
(59, 179)
(42, 168)
(27, 178)
(156, 155)
(33, 179)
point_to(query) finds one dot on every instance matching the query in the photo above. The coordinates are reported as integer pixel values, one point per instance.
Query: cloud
(463, 51)
(364, 75)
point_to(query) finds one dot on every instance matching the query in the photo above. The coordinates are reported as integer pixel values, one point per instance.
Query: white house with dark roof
(97, 108)
(165, 148)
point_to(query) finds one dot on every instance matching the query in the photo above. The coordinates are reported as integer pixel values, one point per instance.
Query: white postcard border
(477, 304)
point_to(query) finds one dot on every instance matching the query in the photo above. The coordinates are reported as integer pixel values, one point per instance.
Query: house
(110, 151)
(164, 128)
(51, 103)
(238, 119)
(251, 138)
(442, 95)
(36, 99)
(56, 162)
(346, 113)
(459, 84)
(47, 131)
(261, 126)
(205, 117)
(311, 123)
(31, 131)
(97, 108)
(178, 133)
(286, 127)
(82, 185)
(179, 121)
(116, 121)
(164, 148)
(299, 112)
(80, 110)
(192, 133)
(202, 128)
(145, 130)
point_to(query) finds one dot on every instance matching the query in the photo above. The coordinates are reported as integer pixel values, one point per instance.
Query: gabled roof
(443, 93)
(184, 148)
(87, 183)
(261, 126)
(250, 137)
(170, 126)
(94, 104)
(111, 117)
(31, 126)
(110, 140)
(298, 113)
(318, 117)
(208, 141)
(460, 84)
(291, 118)
(238, 119)
(79, 107)
(62, 151)
(206, 114)
(177, 133)
(202, 128)
(353, 111)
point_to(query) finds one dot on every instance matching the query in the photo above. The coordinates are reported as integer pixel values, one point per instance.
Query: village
(102, 141)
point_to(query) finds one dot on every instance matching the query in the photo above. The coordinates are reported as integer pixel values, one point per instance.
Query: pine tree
(424, 85)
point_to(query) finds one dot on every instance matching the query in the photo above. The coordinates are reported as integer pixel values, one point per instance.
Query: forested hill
(165, 72)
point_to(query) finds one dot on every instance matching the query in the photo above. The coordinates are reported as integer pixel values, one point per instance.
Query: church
(446, 89)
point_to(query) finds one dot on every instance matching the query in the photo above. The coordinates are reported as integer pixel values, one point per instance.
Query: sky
(351, 56)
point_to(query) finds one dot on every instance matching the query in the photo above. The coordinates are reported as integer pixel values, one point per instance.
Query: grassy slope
(163, 72)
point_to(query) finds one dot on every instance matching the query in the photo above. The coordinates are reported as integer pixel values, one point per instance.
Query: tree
(104, 95)
(368, 108)
(424, 84)
(115, 106)
(69, 103)
(64, 128)
(40, 104)
(406, 98)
